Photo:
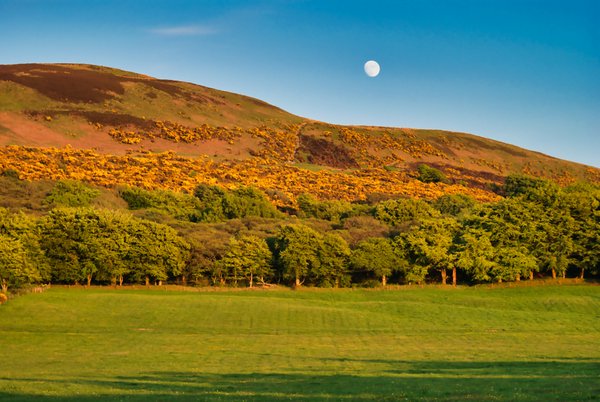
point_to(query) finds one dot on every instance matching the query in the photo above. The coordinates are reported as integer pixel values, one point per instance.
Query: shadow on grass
(430, 380)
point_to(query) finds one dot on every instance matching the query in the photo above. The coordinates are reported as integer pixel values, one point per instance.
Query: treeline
(238, 238)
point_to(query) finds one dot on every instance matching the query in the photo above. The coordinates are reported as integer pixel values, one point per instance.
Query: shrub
(428, 174)
(69, 193)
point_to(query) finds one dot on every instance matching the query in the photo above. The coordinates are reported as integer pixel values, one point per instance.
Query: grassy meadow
(478, 343)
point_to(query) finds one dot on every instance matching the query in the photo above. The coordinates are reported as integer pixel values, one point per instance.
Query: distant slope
(119, 113)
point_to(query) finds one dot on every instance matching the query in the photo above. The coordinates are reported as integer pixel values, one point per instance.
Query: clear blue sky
(525, 72)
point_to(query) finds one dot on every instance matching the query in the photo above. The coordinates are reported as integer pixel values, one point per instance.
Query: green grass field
(479, 343)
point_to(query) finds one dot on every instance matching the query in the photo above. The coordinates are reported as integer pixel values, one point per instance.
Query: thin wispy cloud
(184, 30)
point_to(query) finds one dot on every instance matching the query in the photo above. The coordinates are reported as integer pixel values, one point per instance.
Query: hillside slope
(110, 126)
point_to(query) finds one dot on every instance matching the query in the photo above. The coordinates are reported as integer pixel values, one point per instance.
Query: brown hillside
(114, 112)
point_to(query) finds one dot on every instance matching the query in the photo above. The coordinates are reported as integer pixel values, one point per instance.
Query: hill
(108, 126)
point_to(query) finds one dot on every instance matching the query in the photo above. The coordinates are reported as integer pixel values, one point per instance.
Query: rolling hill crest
(108, 126)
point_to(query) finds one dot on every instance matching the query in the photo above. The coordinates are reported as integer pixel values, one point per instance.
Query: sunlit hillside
(108, 126)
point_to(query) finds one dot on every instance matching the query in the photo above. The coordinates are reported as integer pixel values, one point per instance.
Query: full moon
(372, 68)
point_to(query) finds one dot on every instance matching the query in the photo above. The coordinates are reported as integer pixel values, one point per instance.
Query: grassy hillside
(523, 343)
(129, 118)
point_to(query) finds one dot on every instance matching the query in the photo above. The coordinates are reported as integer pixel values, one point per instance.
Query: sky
(524, 72)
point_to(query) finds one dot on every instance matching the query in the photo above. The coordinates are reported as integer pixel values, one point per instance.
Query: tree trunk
(564, 274)
(89, 280)
(337, 283)
(184, 280)
(553, 273)
(518, 277)
(531, 275)
(160, 283)
(297, 282)
(454, 276)
(581, 273)
(4, 285)
(444, 275)
(251, 279)
(147, 281)
(383, 280)
(120, 280)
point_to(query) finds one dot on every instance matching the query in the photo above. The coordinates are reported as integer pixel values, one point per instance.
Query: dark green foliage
(16, 267)
(208, 246)
(454, 204)
(83, 243)
(156, 251)
(69, 193)
(404, 211)
(22, 231)
(476, 256)
(533, 189)
(358, 228)
(304, 255)
(428, 174)
(247, 201)
(230, 235)
(248, 257)
(376, 256)
(583, 204)
(334, 211)
(334, 254)
(211, 198)
(430, 246)
(298, 253)
(218, 204)
(178, 205)
(512, 228)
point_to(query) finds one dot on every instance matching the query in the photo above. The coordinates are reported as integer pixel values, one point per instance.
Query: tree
(454, 204)
(70, 240)
(331, 210)
(583, 204)
(554, 244)
(156, 251)
(513, 263)
(512, 228)
(219, 204)
(376, 256)
(475, 255)
(211, 198)
(333, 254)
(297, 252)
(248, 257)
(178, 205)
(431, 245)
(82, 243)
(414, 272)
(15, 266)
(113, 246)
(248, 201)
(404, 211)
(208, 246)
(25, 229)
(540, 191)
(359, 228)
